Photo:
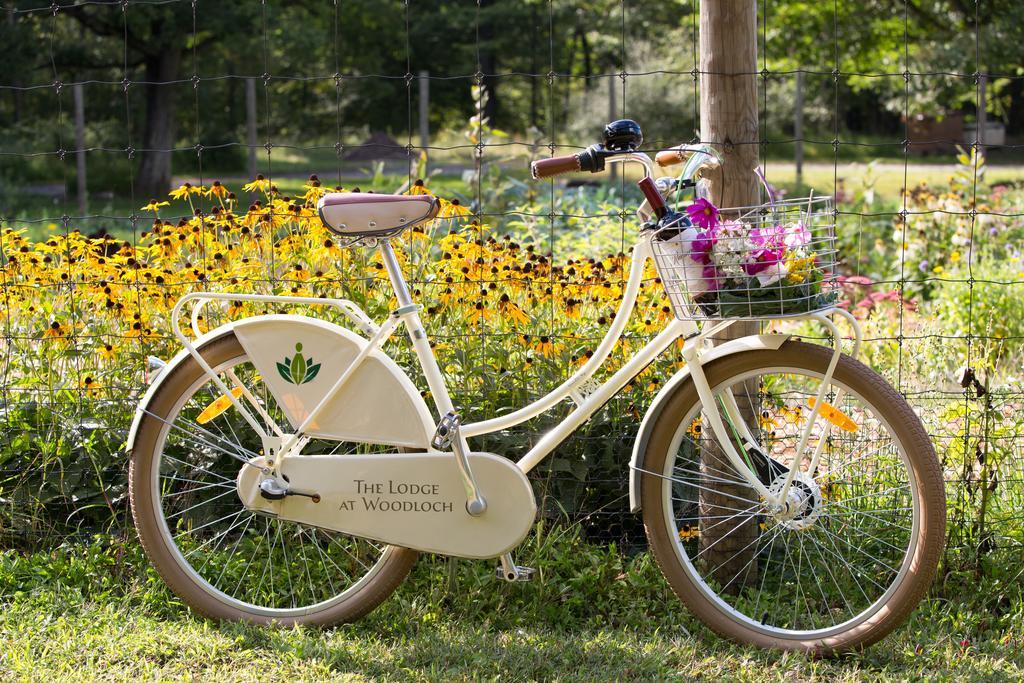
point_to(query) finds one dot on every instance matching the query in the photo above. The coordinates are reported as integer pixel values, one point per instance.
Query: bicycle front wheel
(857, 545)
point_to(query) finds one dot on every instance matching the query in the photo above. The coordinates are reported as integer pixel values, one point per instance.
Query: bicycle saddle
(359, 214)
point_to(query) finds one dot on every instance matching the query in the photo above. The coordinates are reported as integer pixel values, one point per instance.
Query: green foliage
(983, 436)
(58, 472)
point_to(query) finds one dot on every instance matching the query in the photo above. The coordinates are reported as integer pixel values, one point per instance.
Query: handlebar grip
(669, 157)
(546, 168)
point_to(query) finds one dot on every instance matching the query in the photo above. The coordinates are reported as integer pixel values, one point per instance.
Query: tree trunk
(728, 120)
(534, 92)
(153, 179)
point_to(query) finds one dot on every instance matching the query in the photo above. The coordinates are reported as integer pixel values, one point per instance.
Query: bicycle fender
(757, 342)
(157, 382)
(300, 358)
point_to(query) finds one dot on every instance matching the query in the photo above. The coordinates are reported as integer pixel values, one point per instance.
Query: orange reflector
(835, 416)
(217, 407)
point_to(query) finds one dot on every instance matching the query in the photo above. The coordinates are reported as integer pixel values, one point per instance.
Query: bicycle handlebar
(546, 168)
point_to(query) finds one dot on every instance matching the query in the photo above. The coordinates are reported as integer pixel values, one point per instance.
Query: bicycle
(285, 469)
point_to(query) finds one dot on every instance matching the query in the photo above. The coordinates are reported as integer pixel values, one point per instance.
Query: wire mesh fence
(250, 111)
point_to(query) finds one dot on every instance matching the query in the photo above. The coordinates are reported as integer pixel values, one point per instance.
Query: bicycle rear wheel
(855, 551)
(223, 559)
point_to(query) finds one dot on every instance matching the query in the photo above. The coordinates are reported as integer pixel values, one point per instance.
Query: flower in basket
(755, 262)
(766, 261)
(703, 213)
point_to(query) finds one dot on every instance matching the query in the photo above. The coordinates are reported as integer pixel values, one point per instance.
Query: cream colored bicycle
(285, 469)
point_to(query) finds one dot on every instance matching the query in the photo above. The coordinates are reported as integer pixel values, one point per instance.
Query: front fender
(757, 342)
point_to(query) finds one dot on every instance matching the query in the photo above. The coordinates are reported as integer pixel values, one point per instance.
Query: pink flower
(703, 213)
(711, 278)
(700, 247)
(797, 234)
(768, 237)
(763, 259)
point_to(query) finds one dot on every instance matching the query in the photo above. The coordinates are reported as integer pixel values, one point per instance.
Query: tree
(155, 38)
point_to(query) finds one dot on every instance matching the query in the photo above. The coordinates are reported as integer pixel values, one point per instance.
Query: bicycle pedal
(447, 430)
(515, 574)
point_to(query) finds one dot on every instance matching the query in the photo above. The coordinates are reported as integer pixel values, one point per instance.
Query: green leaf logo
(297, 369)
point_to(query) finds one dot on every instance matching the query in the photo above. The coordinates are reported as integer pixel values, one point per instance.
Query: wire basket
(776, 260)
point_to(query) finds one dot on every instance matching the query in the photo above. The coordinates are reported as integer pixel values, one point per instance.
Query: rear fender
(378, 404)
(678, 381)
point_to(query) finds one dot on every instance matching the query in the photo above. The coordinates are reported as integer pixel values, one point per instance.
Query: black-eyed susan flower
(154, 206)
(510, 311)
(217, 190)
(55, 330)
(260, 184)
(183, 191)
(546, 346)
(417, 188)
(453, 209)
(478, 313)
(89, 386)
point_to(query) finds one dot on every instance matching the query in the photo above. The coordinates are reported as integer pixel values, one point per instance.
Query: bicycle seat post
(448, 433)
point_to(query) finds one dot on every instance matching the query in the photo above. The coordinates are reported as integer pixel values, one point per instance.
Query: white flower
(772, 274)
(797, 235)
(684, 268)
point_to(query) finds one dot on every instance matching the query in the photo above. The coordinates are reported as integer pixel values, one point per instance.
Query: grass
(88, 611)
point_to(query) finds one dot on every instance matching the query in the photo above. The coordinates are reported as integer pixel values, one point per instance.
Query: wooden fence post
(729, 121)
(251, 124)
(82, 188)
(979, 138)
(798, 129)
(424, 111)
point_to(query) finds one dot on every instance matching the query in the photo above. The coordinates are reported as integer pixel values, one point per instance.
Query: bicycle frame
(579, 387)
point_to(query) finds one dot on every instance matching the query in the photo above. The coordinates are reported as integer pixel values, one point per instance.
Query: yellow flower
(799, 269)
(217, 190)
(154, 205)
(479, 313)
(694, 429)
(261, 184)
(89, 386)
(314, 191)
(954, 257)
(185, 190)
(453, 209)
(54, 330)
(511, 311)
(418, 188)
(546, 346)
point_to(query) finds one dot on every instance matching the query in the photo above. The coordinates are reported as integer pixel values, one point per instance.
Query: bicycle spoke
(831, 551)
(246, 557)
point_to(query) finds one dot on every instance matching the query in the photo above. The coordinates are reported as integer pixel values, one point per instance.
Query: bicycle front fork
(742, 437)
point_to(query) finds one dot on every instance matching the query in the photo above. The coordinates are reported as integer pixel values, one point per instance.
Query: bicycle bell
(623, 135)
